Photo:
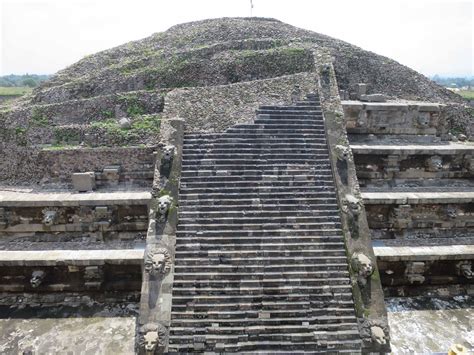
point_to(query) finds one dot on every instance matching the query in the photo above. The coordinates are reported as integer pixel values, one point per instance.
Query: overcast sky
(43, 36)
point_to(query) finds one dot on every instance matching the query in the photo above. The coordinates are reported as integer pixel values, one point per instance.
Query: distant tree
(30, 82)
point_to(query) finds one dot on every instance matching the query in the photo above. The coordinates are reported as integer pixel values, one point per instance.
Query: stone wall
(366, 287)
(214, 109)
(83, 111)
(393, 118)
(210, 65)
(53, 166)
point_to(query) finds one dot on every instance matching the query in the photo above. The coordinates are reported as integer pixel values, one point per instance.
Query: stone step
(286, 115)
(266, 145)
(263, 306)
(277, 346)
(288, 122)
(297, 205)
(243, 221)
(211, 246)
(331, 263)
(243, 180)
(279, 213)
(263, 237)
(296, 296)
(281, 125)
(261, 129)
(229, 332)
(261, 283)
(257, 156)
(262, 195)
(265, 261)
(314, 320)
(255, 226)
(260, 256)
(257, 189)
(216, 151)
(249, 165)
(273, 346)
(297, 109)
(260, 274)
(251, 315)
(278, 134)
(253, 137)
(285, 171)
(268, 140)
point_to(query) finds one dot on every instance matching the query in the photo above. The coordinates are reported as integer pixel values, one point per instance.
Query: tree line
(29, 80)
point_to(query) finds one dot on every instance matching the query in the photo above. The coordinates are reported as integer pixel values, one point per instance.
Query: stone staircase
(260, 259)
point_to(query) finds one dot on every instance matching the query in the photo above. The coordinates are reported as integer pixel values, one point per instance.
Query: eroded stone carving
(378, 335)
(434, 163)
(93, 277)
(423, 119)
(401, 217)
(374, 333)
(50, 216)
(464, 268)
(363, 266)
(342, 152)
(152, 337)
(157, 261)
(414, 271)
(468, 163)
(3, 218)
(37, 277)
(164, 203)
(352, 206)
(167, 155)
(451, 212)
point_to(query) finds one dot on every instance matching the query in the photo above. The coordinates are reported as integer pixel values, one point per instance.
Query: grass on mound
(467, 94)
(14, 91)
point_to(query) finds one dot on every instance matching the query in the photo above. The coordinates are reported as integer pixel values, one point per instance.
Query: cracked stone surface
(106, 330)
(425, 326)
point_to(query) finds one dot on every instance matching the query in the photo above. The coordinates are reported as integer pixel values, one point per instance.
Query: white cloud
(43, 36)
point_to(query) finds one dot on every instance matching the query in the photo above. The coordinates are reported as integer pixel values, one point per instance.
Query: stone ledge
(392, 105)
(403, 198)
(445, 252)
(403, 149)
(40, 199)
(71, 257)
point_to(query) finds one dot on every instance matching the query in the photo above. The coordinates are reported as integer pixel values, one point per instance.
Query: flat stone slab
(70, 257)
(439, 149)
(389, 198)
(437, 252)
(392, 105)
(38, 199)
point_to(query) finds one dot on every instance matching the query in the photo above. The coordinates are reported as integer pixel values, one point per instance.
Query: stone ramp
(260, 260)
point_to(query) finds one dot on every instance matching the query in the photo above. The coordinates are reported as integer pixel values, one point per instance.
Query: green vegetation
(467, 94)
(27, 80)
(141, 125)
(454, 82)
(14, 91)
(107, 114)
(133, 105)
(60, 147)
(66, 135)
(38, 118)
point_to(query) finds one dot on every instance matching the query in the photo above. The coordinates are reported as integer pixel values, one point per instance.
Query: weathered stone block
(83, 182)
(373, 98)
